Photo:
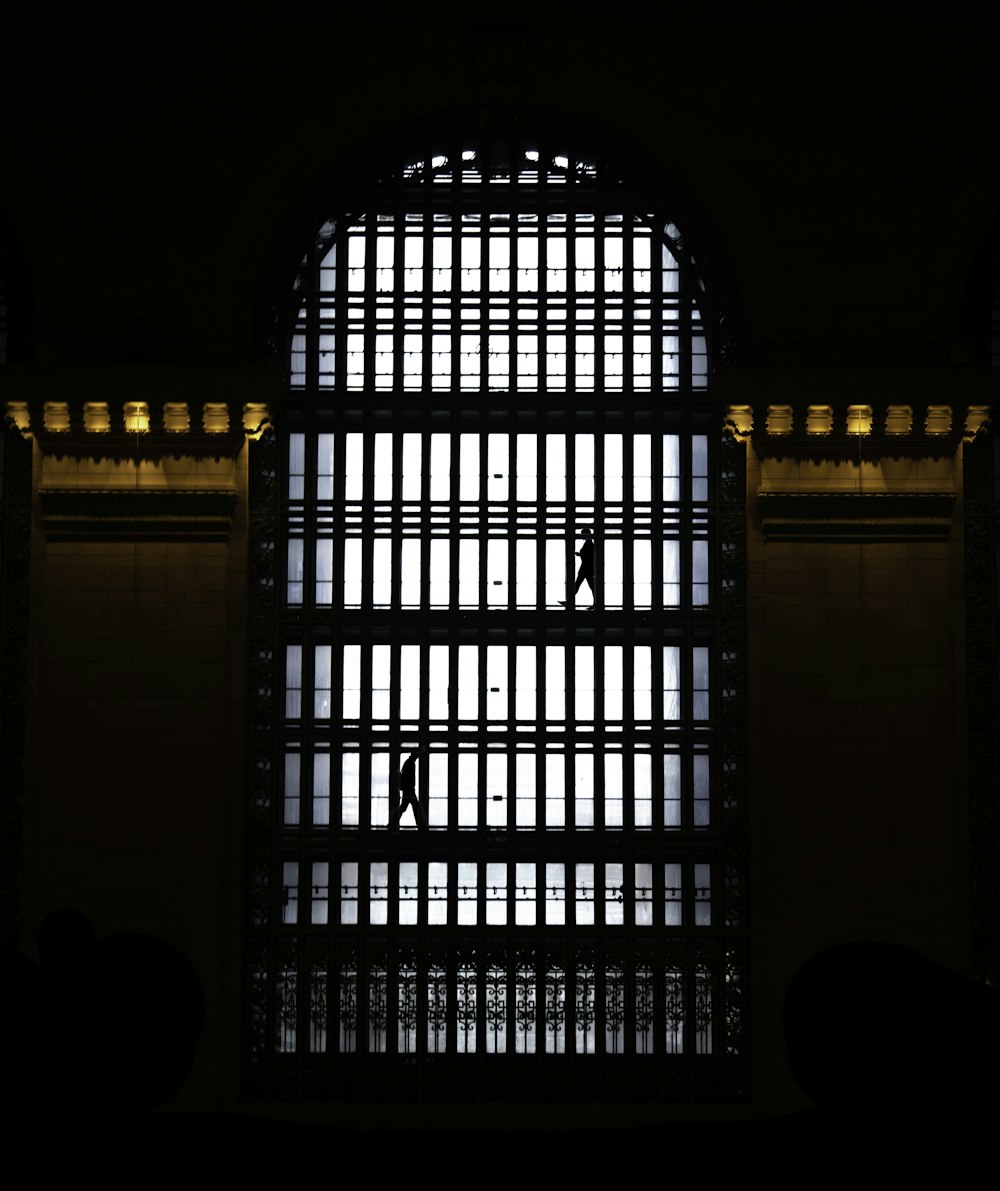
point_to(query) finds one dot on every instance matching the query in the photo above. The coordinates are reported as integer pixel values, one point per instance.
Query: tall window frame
(569, 923)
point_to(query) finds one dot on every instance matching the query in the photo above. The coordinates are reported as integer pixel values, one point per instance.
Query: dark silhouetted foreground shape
(104, 1025)
(406, 793)
(876, 1026)
(588, 571)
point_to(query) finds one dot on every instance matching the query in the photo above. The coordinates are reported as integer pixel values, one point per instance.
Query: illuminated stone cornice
(129, 413)
(863, 413)
(857, 454)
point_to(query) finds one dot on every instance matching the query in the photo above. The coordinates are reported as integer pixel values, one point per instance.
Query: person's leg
(408, 800)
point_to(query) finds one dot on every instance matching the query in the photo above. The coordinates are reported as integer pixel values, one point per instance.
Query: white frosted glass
(526, 559)
(292, 790)
(411, 466)
(613, 709)
(468, 682)
(496, 682)
(409, 682)
(354, 466)
(524, 787)
(527, 467)
(496, 894)
(382, 468)
(555, 467)
(524, 894)
(583, 795)
(642, 682)
(525, 678)
(321, 682)
(497, 560)
(585, 895)
(381, 573)
(324, 571)
(293, 681)
(324, 466)
(381, 765)
(407, 893)
(496, 790)
(584, 678)
(643, 894)
(349, 892)
(293, 590)
(671, 790)
(378, 893)
(409, 573)
(671, 682)
(321, 790)
(613, 572)
(555, 682)
(439, 576)
(440, 480)
(584, 467)
(613, 791)
(380, 682)
(614, 879)
(468, 889)
(468, 790)
(642, 790)
(642, 467)
(437, 789)
(555, 894)
(350, 789)
(437, 893)
(352, 573)
(352, 682)
(613, 467)
(555, 790)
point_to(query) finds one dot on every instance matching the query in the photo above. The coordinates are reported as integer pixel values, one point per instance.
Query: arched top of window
(501, 262)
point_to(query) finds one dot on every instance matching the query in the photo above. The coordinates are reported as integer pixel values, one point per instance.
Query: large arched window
(498, 394)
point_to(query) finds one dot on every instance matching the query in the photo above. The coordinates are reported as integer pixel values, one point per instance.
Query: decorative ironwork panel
(555, 1003)
(437, 1005)
(525, 1003)
(347, 999)
(466, 1001)
(614, 1006)
(406, 1003)
(378, 1000)
(495, 998)
(645, 1002)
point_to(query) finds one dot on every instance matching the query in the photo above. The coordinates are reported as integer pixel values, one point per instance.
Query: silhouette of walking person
(408, 789)
(588, 569)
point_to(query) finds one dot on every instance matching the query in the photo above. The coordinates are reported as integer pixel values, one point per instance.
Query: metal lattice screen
(496, 368)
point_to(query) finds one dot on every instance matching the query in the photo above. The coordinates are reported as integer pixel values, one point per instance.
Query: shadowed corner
(876, 1029)
(105, 1028)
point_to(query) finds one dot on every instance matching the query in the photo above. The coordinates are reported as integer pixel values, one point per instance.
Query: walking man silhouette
(588, 569)
(408, 789)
